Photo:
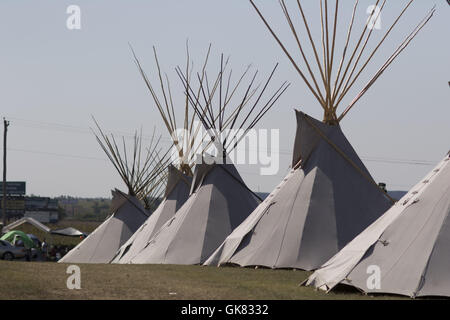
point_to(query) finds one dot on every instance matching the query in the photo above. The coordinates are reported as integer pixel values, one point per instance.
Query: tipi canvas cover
(177, 192)
(102, 244)
(218, 203)
(326, 200)
(407, 249)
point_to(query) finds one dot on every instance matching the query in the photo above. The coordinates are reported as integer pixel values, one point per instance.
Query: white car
(10, 252)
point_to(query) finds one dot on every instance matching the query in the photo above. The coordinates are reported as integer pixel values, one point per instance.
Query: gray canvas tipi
(312, 212)
(179, 172)
(144, 178)
(219, 199)
(219, 202)
(177, 192)
(407, 248)
(329, 196)
(127, 216)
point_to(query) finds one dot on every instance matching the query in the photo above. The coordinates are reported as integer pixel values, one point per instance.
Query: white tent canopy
(71, 232)
(29, 220)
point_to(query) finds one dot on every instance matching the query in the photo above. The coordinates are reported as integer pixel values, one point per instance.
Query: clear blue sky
(52, 79)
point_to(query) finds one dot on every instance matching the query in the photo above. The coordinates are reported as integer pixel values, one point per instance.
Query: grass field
(35, 280)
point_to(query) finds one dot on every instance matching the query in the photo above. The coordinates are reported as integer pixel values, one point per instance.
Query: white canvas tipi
(219, 202)
(177, 192)
(406, 251)
(143, 178)
(100, 246)
(219, 199)
(323, 203)
(329, 197)
(179, 172)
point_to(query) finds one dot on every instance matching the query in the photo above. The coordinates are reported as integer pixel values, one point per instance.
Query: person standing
(44, 249)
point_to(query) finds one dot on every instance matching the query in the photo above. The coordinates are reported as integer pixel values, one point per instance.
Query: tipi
(177, 192)
(179, 172)
(219, 199)
(142, 177)
(406, 251)
(328, 197)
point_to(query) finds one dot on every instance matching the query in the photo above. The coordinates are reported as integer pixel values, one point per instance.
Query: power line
(57, 154)
(86, 130)
(73, 129)
(400, 161)
(65, 155)
(282, 173)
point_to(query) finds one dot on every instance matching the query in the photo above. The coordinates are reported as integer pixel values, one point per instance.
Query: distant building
(15, 207)
(18, 205)
(43, 216)
(42, 209)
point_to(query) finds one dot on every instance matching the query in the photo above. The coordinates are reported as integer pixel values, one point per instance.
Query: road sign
(15, 188)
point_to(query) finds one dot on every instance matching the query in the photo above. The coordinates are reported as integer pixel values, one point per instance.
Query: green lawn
(36, 280)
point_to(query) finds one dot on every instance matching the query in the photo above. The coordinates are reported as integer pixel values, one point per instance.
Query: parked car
(10, 252)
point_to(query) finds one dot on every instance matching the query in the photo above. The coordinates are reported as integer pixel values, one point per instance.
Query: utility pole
(6, 125)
